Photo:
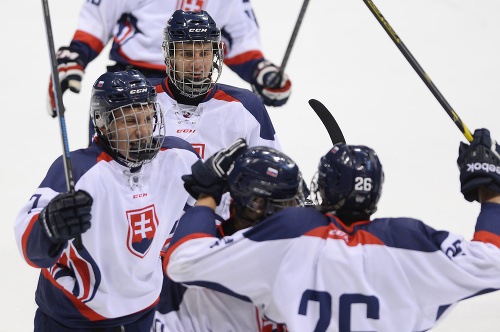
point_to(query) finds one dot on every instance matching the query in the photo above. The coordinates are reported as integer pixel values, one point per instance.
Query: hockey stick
(328, 121)
(277, 79)
(413, 62)
(68, 169)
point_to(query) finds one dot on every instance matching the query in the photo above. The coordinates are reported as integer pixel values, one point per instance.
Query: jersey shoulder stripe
(251, 103)
(82, 160)
(290, 223)
(172, 142)
(404, 233)
(160, 85)
(86, 38)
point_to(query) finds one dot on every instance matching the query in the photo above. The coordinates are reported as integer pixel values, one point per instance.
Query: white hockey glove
(70, 68)
(266, 86)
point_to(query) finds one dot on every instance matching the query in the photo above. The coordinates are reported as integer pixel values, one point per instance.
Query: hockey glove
(479, 165)
(70, 68)
(209, 177)
(66, 216)
(267, 86)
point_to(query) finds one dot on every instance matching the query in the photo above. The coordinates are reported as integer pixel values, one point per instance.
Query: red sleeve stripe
(83, 270)
(143, 64)
(244, 57)
(24, 239)
(178, 243)
(487, 237)
(82, 308)
(89, 39)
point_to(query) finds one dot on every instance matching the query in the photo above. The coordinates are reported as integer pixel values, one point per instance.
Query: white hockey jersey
(199, 309)
(313, 273)
(226, 114)
(118, 274)
(136, 28)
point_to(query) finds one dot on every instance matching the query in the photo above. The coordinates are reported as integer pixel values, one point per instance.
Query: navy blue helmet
(193, 51)
(127, 117)
(349, 179)
(265, 180)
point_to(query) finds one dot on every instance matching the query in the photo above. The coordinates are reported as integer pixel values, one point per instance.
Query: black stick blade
(328, 121)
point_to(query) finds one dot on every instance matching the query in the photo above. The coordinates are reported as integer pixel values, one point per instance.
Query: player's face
(131, 127)
(193, 60)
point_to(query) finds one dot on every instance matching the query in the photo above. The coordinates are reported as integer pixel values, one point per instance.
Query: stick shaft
(420, 71)
(68, 169)
(292, 39)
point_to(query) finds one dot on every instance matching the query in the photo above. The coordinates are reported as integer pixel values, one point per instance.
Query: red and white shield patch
(191, 5)
(142, 225)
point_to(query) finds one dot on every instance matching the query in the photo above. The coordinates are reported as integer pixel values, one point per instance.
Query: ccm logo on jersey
(140, 195)
(133, 92)
(185, 131)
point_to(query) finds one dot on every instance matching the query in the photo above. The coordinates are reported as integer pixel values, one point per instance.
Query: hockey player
(207, 114)
(263, 181)
(337, 270)
(129, 194)
(135, 26)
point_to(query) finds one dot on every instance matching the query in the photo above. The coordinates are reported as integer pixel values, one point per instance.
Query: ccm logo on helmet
(197, 30)
(483, 167)
(133, 92)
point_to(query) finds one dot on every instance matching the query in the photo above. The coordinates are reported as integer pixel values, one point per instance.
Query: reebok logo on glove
(483, 167)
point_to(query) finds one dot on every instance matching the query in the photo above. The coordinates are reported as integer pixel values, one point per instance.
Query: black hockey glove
(66, 216)
(209, 177)
(71, 69)
(266, 86)
(479, 165)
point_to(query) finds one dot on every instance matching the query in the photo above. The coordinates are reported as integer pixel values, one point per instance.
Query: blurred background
(343, 58)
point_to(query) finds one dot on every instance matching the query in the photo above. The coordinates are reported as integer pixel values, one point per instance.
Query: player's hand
(209, 177)
(267, 85)
(479, 164)
(70, 68)
(66, 216)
